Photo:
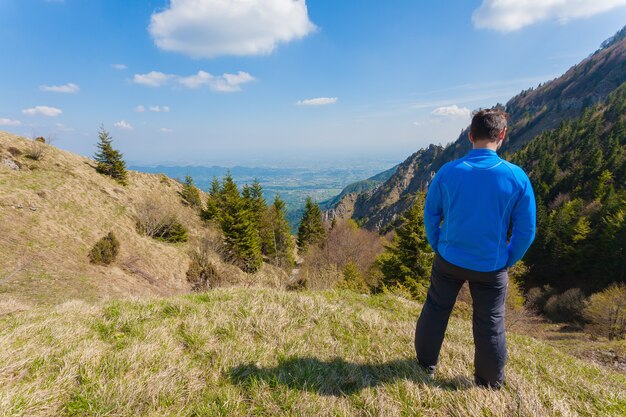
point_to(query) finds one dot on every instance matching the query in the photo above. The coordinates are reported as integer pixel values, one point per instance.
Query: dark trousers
(488, 291)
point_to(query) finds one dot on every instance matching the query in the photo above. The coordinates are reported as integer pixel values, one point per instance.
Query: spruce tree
(277, 242)
(258, 204)
(211, 210)
(190, 193)
(311, 230)
(110, 161)
(407, 261)
(241, 237)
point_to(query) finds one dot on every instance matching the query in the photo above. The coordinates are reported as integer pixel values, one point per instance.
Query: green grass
(248, 352)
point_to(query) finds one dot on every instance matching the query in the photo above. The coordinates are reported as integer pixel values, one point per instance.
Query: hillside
(53, 210)
(242, 352)
(532, 111)
(578, 172)
(359, 187)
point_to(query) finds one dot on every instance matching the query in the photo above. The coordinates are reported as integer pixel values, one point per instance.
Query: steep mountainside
(53, 210)
(578, 172)
(382, 205)
(360, 187)
(532, 112)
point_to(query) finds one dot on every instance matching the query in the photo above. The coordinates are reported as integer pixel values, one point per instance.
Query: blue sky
(271, 82)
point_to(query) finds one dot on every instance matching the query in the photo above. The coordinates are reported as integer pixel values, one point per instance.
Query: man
(471, 205)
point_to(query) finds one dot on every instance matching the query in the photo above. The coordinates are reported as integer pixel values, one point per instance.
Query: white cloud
(451, 111)
(418, 123)
(156, 109)
(9, 122)
(319, 101)
(152, 79)
(225, 83)
(61, 127)
(159, 109)
(42, 110)
(165, 130)
(119, 66)
(69, 88)
(511, 15)
(123, 124)
(210, 28)
(197, 80)
(228, 83)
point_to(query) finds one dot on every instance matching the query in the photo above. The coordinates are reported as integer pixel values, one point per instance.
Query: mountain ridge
(532, 111)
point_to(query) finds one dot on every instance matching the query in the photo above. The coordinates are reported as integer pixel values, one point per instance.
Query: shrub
(606, 312)
(352, 279)
(105, 250)
(175, 233)
(317, 278)
(190, 193)
(37, 150)
(158, 219)
(163, 179)
(565, 307)
(345, 243)
(536, 298)
(202, 273)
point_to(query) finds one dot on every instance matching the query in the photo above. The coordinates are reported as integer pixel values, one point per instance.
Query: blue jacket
(470, 206)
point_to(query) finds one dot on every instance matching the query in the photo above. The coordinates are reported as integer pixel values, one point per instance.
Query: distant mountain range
(532, 112)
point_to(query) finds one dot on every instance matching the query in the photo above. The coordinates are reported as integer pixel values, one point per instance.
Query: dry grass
(53, 210)
(243, 352)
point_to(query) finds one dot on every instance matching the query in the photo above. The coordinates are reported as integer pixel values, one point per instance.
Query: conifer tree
(352, 279)
(276, 238)
(190, 193)
(212, 208)
(110, 161)
(241, 237)
(407, 261)
(311, 230)
(258, 204)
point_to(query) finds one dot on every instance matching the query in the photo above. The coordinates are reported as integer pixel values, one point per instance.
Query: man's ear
(502, 134)
(471, 138)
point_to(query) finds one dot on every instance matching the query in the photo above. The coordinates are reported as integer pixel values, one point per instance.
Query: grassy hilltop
(241, 352)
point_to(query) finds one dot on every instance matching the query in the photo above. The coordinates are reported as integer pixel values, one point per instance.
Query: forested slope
(578, 173)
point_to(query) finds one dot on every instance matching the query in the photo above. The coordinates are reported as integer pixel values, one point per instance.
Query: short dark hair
(488, 123)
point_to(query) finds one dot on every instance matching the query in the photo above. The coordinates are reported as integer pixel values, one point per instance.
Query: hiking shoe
(429, 372)
(496, 386)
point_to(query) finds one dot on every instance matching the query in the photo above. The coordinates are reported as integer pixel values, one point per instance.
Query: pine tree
(407, 261)
(258, 204)
(311, 230)
(241, 237)
(190, 193)
(277, 242)
(212, 208)
(110, 161)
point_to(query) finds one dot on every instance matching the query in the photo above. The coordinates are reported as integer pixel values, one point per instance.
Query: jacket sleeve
(524, 219)
(433, 212)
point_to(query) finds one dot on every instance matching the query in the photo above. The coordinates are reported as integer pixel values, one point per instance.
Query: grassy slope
(265, 352)
(43, 252)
